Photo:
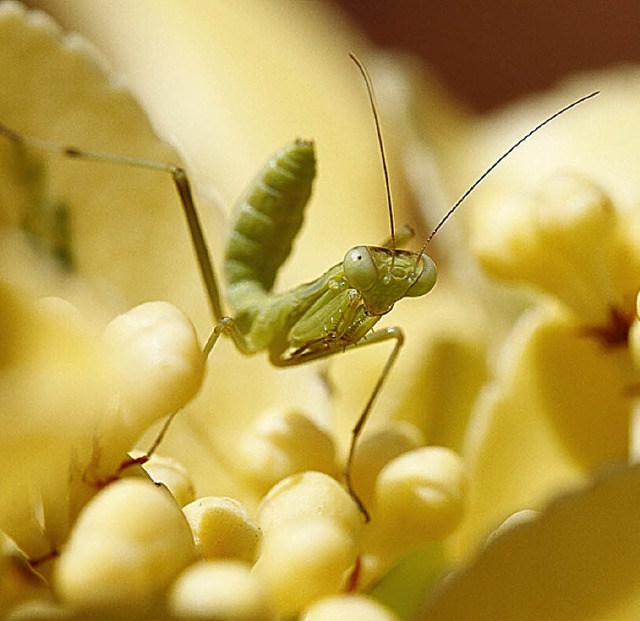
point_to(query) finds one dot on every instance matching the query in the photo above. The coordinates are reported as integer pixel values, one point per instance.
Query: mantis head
(383, 276)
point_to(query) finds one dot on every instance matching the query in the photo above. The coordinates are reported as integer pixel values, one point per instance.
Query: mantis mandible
(334, 313)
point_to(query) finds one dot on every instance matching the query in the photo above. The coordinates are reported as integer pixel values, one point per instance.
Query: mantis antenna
(473, 186)
(383, 157)
(493, 166)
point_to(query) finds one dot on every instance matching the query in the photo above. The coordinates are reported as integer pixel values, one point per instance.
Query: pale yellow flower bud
(423, 491)
(308, 495)
(420, 498)
(312, 530)
(376, 450)
(304, 560)
(348, 608)
(282, 443)
(128, 544)
(174, 476)
(222, 529)
(222, 590)
(157, 362)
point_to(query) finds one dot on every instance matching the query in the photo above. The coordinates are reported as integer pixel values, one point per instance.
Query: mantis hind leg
(378, 336)
(180, 180)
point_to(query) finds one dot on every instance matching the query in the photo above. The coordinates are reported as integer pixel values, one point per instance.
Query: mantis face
(383, 276)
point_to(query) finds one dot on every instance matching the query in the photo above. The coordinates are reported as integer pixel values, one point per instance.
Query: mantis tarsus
(332, 314)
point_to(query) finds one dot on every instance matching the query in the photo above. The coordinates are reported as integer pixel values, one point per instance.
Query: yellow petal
(562, 240)
(56, 89)
(18, 581)
(231, 84)
(52, 378)
(556, 412)
(61, 426)
(593, 140)
(577, 561)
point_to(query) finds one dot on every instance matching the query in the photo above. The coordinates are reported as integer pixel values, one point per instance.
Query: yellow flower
(122, 242)
(558, 220)
(255, 459)
(576, 560)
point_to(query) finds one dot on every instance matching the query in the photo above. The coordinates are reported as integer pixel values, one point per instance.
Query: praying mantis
(334, 313)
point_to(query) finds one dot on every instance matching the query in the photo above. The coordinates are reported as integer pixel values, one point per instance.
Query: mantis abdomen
(267, 220)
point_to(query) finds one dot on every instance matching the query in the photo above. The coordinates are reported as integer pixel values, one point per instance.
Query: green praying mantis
(334, 313)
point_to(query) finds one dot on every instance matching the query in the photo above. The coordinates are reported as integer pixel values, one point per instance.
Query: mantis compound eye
(360, 269)
(426, 280)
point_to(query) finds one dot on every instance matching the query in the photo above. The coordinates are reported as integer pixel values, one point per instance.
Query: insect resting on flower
(337, 311)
